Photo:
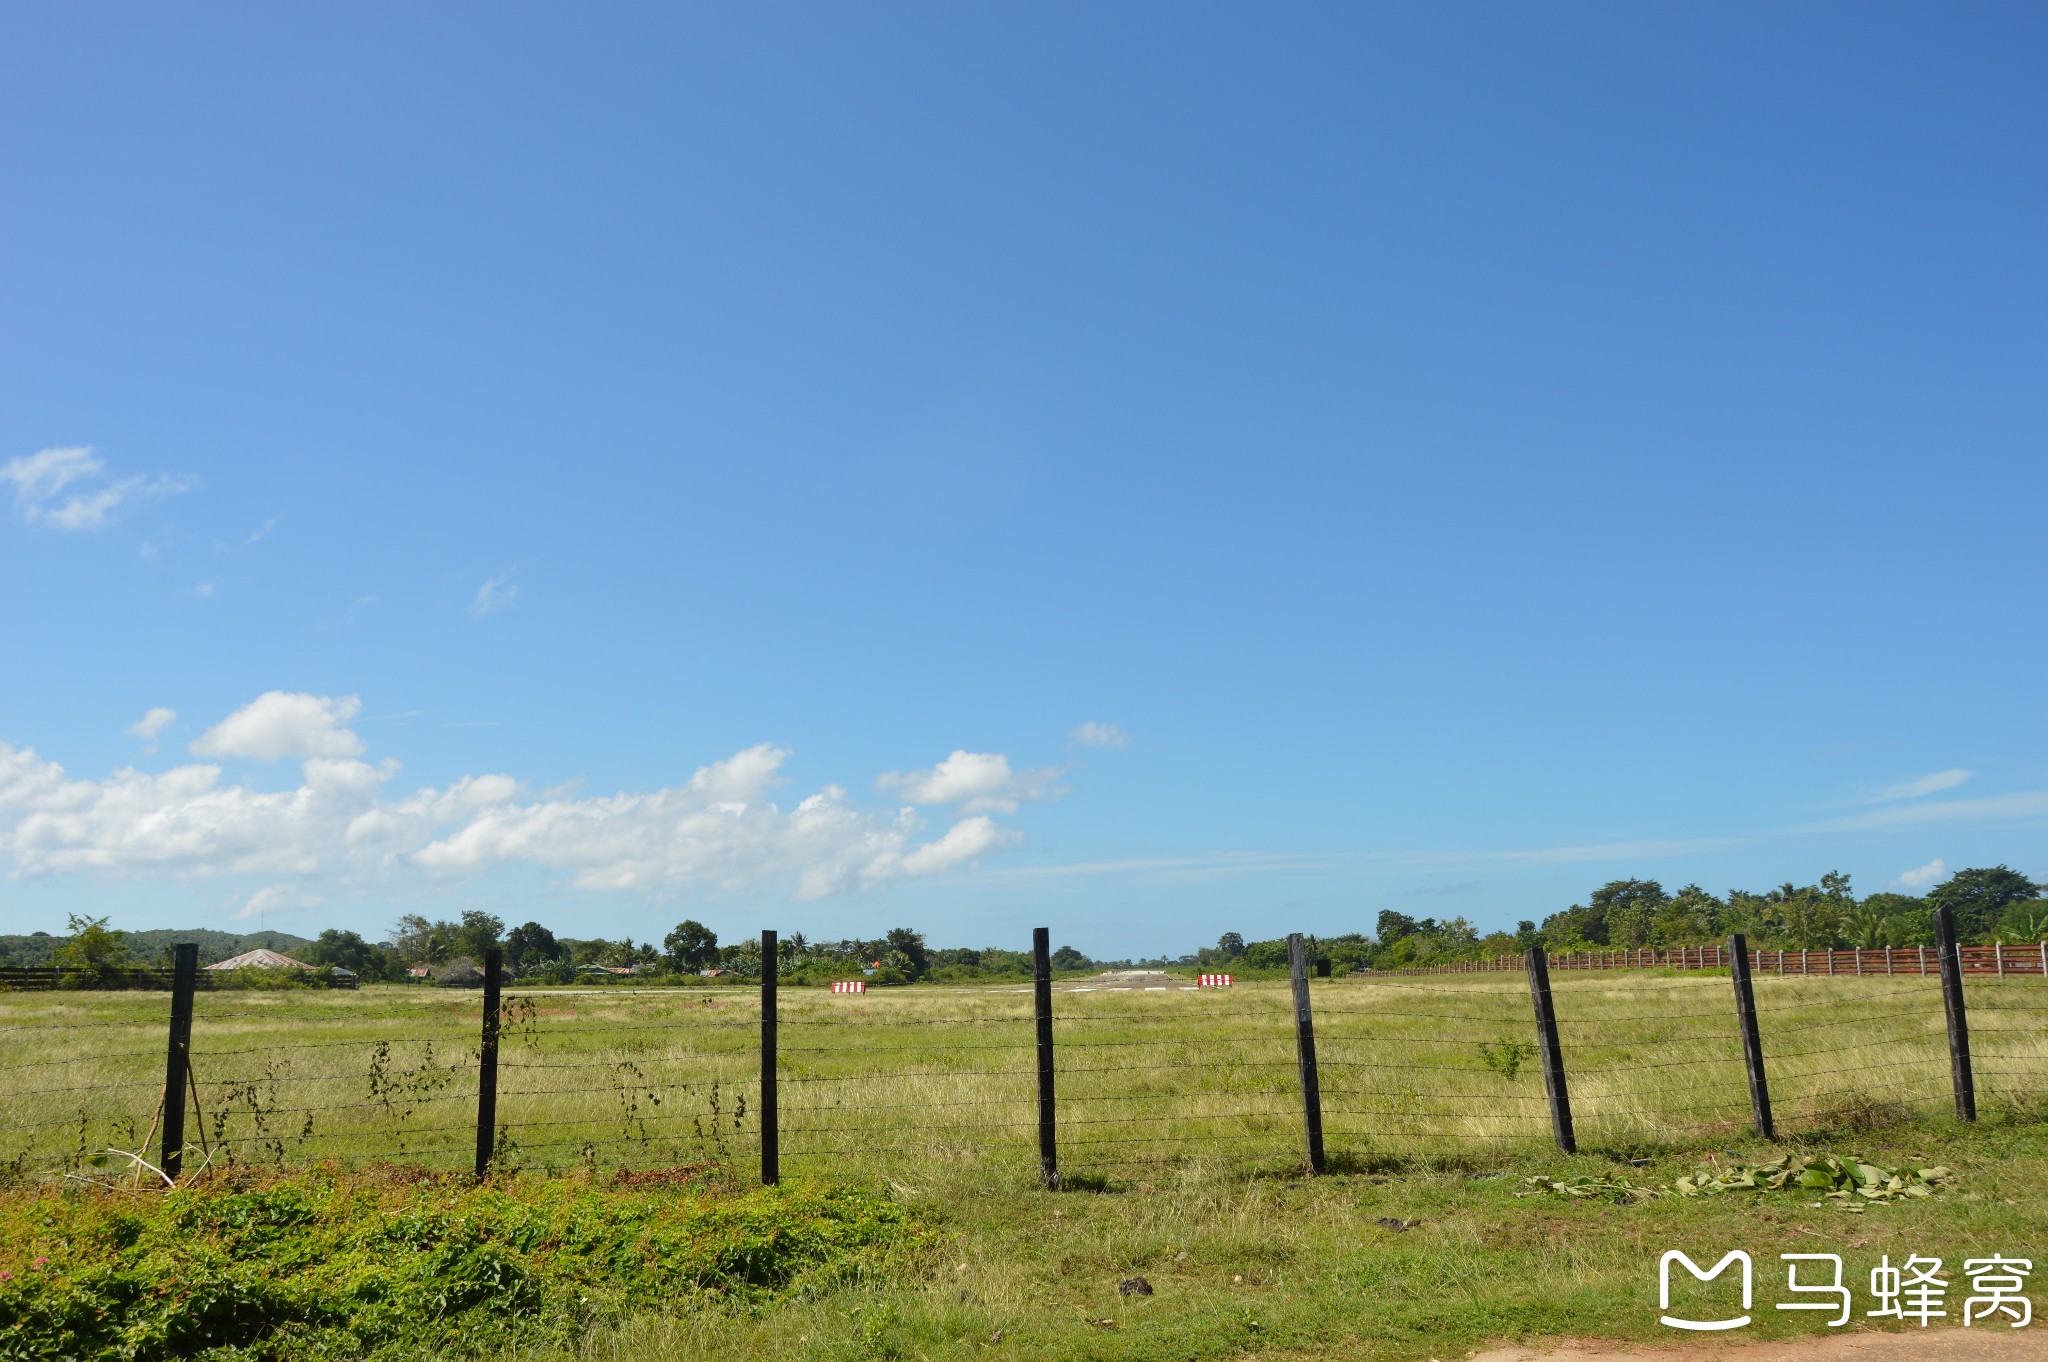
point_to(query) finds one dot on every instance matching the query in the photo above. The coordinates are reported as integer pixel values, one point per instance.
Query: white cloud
(965, 841)
(151, 724)
(1092, 734)
(721, 828)
(2024, 804)
(277, 898)
(1916, 789)
(494, 595)
(1926, 876)
(260, 532)
(979, 782)
(182, 822)
(39, 477)
(285, 724)
(40, 480)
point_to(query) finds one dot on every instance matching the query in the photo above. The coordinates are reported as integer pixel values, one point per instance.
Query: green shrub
(334, 1265)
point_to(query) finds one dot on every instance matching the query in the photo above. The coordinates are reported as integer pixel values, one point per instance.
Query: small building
(260, 958)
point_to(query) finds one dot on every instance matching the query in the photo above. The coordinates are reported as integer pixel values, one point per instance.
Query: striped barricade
(1213, 981)
(856, 986)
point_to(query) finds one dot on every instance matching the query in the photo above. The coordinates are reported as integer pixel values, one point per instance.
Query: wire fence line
(1106, 1084)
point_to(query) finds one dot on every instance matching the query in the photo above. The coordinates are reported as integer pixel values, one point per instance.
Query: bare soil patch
(2002, 1344)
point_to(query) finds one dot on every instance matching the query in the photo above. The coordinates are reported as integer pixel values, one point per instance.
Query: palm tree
(1868, 927)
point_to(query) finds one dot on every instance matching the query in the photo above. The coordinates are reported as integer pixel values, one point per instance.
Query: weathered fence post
(1958, 1023)
(1553, 1053)
(1305, 1051)
(1923, 960)
(1752, 1043)
(771, 1132)
(178, 1058)
(1041, 990)
(487, 1064)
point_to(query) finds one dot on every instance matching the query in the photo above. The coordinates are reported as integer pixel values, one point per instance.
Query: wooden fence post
(771, 1130)
(1305, 1051)
(487, 1064)
(1752, 1043)
(1553, 1053)
(1041, 990)
(178, 1056)
(1958, 1022)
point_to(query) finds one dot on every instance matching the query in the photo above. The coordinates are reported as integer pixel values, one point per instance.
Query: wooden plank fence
(31, 977)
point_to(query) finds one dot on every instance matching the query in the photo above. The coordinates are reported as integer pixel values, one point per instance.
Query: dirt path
(1935, 1345)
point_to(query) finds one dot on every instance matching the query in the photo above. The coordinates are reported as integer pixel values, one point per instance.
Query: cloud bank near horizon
(720, 829)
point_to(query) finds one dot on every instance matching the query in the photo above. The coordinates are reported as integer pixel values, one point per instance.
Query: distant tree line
(1989, 904)
(448, 951)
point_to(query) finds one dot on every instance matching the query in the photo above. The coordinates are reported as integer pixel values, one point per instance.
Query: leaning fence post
(487, 1064)
(1305, 1051)
(177, 1059)
(1553, 1053)
(1041, 999)
(1752, 1044)
(1958, 1023)
(771, 1131)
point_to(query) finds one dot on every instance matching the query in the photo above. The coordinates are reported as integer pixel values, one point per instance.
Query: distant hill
(151, 947)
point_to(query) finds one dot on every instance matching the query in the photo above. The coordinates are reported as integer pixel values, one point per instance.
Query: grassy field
(1180, 1141)
(1147, 1080)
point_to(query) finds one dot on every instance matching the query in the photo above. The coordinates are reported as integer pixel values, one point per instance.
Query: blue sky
(1451, 456)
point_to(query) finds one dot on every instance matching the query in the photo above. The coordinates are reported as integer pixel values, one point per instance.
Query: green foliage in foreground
(326, 1265)
(1397, 1262)
(1832, 1176)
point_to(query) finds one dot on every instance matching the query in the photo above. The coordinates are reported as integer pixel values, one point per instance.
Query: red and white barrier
(1213, 981)
(856, 986)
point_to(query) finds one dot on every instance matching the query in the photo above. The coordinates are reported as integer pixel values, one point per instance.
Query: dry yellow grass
(1433, 1066)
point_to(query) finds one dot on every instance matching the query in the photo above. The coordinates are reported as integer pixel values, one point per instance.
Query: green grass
(1180, 1142)
(1291, 1266)
(1147, 1081)
(333, 1264)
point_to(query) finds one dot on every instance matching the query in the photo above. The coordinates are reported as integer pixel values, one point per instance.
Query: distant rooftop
(260, 959)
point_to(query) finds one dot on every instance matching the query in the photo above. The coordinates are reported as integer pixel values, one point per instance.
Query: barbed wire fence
(1111, 1084)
